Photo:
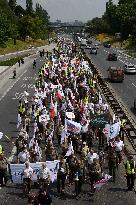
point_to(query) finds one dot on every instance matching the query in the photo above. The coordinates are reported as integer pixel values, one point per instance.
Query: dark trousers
(112, 172)
(3, 175)
(71, 176)
(78, 185)
(61, 182)
(130, 181)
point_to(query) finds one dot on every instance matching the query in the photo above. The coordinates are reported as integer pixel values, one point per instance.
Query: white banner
(17, 171)
(70, 115)
(111, 131)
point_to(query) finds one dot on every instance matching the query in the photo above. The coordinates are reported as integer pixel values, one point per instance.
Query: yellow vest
(128, 170)
(1, 151)
(20, 108)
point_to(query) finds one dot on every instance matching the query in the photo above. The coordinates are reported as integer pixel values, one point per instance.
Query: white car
(130, 68)
(97, 45)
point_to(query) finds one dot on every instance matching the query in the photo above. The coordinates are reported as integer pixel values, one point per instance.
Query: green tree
(19, 11)
(12, 4)
(29, 7)
(4, 28)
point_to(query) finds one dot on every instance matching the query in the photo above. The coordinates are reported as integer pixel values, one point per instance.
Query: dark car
(106, 44)
(93, 50)
(112, 57)
(115, 74)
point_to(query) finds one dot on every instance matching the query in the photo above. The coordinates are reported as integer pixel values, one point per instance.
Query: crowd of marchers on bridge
(66, 125)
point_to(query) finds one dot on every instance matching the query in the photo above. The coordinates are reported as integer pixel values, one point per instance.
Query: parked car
(130, 68)
(93, 50)
(115, 74)
(106, 44)
(112, 57)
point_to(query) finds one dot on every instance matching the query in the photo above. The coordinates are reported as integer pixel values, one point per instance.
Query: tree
(12, 4)
(4, 28)
(19, 11)
(29, 7)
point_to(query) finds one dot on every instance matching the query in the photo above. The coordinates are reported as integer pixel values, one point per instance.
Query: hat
(130, 157)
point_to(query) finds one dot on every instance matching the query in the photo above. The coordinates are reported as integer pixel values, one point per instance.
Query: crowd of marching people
(57, 124)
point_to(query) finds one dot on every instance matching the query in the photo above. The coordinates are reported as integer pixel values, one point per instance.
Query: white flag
(114, 130)
(1, 135)
(18, 121)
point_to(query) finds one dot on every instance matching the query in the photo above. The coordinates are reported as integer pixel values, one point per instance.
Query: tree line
(120, 18)
(17, 22)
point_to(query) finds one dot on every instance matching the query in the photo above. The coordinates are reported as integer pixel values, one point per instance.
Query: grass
(11, 61)
(21, 45)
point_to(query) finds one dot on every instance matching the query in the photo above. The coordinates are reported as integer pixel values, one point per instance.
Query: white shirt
(119, 146)
(23, 156)
(44, 173)
(28, 172)
(91, 157)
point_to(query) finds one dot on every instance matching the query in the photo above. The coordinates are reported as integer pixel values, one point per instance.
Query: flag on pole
(52, 110)
(111, 131)
(72, 126)
(102, 182)
(18, 121)
(114, 130)
(100, 99)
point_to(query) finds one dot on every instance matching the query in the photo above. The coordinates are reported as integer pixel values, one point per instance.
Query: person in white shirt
(91, 156)
(27, 174)
(119, 147)
(23, 156)
(44, 176)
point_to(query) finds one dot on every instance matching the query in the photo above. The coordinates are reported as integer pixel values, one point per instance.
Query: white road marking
(5, 93)
(134, 85)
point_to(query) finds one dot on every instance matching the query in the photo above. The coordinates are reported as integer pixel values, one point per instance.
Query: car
(135, 103)
(97, 45)
(106, 44)
(88, 47)
(93, 50)
(130, 68)
(115, 74)
(112, 57)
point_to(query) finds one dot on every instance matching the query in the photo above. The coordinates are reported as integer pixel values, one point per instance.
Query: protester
(62, 172)
(44, 176)
(130, 167)
(3, 170)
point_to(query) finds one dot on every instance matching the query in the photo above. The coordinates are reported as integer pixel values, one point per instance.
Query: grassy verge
(114, 41)
(21, 45)
(11, 61)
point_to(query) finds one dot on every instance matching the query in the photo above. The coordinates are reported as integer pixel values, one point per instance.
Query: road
(10, 93)
(125, 90)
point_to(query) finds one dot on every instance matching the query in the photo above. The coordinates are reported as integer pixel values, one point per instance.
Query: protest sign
(17, 171)
(100, 120)
(70, 115)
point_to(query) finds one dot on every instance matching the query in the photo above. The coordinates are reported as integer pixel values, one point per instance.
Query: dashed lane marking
(5, 93)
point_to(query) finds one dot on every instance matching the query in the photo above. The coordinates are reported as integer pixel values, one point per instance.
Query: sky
(70, 10)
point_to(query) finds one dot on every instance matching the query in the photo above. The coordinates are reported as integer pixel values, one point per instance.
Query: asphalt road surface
(10, 93)
(126, 90)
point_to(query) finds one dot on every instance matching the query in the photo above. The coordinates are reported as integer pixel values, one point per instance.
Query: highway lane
(126, 90)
